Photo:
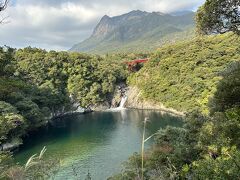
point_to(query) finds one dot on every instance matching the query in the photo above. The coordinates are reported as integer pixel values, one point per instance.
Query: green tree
(219, 135)
(225, 166)
(12, 124)
(228, 89)
(6, 162)
(218, 16)
(6, 61)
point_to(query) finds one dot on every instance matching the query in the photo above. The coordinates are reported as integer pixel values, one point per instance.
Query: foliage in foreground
(36, 167)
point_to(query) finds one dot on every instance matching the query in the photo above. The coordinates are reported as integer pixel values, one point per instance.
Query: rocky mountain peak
(105, 18)
(137, 28)
(108, 24)
(103, 27)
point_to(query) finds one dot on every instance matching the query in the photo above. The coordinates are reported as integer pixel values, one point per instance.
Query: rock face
(9, 146)
(104, 27)
(137, 28)
(135, 101)
(120, 92)
(113, 101)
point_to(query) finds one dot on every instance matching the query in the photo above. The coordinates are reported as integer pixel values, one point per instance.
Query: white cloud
(167, 6)
(58, 24)
(47, 26)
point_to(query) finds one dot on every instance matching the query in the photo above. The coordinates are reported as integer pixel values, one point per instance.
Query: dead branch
(3, 5)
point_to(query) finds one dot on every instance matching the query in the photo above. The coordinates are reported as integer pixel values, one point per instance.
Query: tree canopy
(218, 16)
(183, 76)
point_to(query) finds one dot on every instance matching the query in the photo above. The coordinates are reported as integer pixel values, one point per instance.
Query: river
(97, 143)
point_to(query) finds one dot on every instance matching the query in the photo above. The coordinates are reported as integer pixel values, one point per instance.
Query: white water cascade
(123, 101)
(121, 106)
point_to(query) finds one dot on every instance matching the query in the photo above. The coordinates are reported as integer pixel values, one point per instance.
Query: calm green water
(98, 142)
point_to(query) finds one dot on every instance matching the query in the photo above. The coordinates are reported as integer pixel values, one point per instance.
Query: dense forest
(185, 75)
(199, 77)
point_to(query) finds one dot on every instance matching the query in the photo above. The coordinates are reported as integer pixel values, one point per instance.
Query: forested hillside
(185, 75)
(36, 85)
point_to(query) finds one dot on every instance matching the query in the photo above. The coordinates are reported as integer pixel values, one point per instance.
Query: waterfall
(121, 106)
(123, 101)
(119, 98)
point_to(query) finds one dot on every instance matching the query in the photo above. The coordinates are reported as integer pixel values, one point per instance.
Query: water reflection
(98, 142)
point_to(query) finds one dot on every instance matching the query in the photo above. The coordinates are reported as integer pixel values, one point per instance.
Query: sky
(59, 24)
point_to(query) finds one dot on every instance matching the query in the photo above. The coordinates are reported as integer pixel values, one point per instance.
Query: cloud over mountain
(57, 24)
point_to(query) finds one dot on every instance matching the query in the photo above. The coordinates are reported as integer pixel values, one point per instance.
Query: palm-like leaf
(42, 152)
(30, 161)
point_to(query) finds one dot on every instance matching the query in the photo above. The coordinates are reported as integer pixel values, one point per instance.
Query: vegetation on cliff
(185, 75)
(206, 147)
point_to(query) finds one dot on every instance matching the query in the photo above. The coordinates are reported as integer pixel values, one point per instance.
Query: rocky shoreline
(135, 101)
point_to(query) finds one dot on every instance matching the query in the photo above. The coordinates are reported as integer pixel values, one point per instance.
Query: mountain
(180, 13)
(137, 31)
